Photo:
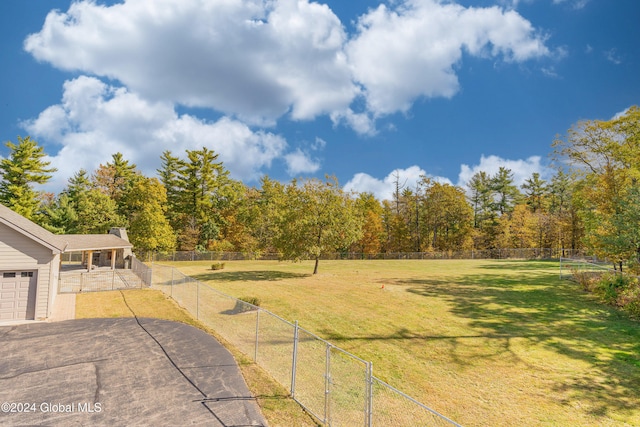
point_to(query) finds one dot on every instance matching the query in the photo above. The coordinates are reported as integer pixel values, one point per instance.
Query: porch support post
(113, 259)
(89, 260)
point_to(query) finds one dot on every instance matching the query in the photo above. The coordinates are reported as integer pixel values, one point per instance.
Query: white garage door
(17, 295)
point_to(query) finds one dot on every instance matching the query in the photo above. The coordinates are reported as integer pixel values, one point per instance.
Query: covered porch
(90, 251)
(93, 262)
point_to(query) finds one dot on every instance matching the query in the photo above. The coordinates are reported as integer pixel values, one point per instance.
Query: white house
(30, 263)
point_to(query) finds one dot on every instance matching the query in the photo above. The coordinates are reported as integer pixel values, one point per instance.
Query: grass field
(492, 343)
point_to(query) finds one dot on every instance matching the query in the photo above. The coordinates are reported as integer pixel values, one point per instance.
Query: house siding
(20, 253)
(54, 275)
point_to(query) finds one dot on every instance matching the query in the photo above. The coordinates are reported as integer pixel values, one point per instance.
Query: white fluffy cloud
(362, 123)
(95, 120)
(575, 4)
(408, 178)
(300, 162)
(383, 188)
(522, 168)
(411, 51)
(260, 60)
(255, 59)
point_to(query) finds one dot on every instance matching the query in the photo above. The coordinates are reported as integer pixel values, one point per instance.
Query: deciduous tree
(520, 229)
(370, 212)
(149, 229)
(270, 207)
(447, 217)
(319, 218)
(97, 213)
(606, 155)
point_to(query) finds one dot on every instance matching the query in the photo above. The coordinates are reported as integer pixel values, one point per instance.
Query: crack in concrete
(49, 368)
(96, 396)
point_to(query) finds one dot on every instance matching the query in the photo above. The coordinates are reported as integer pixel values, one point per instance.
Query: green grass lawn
(483, 342)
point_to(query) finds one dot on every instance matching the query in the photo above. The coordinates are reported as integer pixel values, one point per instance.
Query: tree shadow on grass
(521, 265)
(557, 315)
(248, 276)
(501, 343)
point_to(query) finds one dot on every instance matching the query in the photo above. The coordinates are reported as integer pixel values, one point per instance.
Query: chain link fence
(142, 271)
(75, 281)
(528, 253)
(570, 268)
(74, 278)
(402, 410)
(573, 268)
(336, 387)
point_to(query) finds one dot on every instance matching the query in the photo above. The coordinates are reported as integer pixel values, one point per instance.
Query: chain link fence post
(368, 409)
(255, 354)
(560, 267)
(294, 361)
(151, 275)
(327, 386)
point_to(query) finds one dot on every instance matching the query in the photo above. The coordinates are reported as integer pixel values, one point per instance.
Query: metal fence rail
(333, 385)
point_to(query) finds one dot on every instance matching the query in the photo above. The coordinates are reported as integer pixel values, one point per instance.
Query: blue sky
(361, 89)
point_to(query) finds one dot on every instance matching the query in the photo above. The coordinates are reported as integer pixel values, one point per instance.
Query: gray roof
(85, 242)
(30, 229)
(60, 242)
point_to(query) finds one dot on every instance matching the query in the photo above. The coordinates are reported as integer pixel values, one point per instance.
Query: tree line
(592, 202)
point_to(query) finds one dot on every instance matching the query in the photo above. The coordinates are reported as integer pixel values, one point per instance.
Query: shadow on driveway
(120, 372)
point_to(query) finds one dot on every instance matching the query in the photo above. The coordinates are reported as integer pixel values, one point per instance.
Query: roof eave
(55, 249)
(95, 248)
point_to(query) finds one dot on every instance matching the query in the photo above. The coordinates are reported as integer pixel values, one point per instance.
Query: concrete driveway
(120, 372)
